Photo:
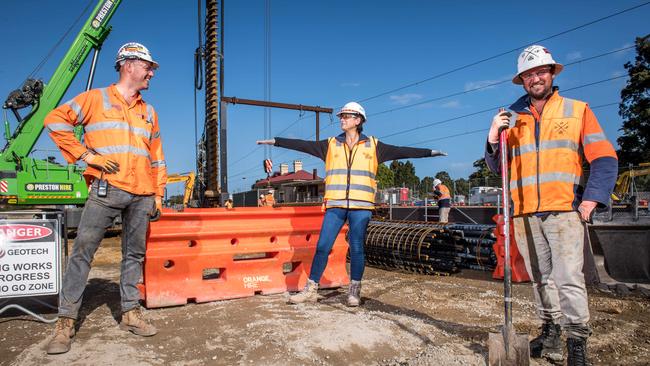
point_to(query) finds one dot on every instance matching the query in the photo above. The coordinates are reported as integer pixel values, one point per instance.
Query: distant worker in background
(127, 175)
(351, 161)
(441, 193)
(548, 143)
(228, 203)
(269, 199)
(261, 201)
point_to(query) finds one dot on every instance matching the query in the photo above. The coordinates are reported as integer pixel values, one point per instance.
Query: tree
(426, 186)
(635, 108)
(446, 180)
(483, 176)
(462, 187)
(404, 174)
(385, 177)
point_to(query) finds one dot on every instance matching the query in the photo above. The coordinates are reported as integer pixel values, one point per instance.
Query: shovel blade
(518, 351)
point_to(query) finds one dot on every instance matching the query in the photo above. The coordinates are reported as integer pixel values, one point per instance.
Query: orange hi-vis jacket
(445, 192)
(546, 154)
(126, 133)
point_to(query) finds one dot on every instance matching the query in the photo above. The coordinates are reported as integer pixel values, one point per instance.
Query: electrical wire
(518, 48)
(58, 43)
(491, 84)
(487, 129)
(494, 108)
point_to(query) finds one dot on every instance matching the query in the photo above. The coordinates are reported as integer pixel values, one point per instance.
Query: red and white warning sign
(4, 186)
(29, 258)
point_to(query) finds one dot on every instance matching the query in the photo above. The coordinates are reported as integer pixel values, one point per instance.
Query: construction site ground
(405, 319)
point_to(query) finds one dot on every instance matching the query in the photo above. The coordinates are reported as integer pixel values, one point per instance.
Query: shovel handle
(507, 271)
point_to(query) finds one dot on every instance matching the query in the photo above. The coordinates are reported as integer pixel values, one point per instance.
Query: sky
(413, 65)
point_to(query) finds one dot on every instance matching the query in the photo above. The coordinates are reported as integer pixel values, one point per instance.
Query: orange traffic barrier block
(519, 273)
(202, 255)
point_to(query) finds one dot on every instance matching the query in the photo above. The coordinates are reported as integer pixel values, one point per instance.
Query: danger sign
(29, 258)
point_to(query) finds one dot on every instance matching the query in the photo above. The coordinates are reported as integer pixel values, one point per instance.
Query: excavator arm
(189, 179)
(623, 189)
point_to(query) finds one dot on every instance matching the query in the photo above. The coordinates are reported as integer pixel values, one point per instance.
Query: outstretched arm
(386, 152)
(315, 148)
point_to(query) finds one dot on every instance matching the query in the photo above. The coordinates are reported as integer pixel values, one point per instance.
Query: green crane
(28, 181)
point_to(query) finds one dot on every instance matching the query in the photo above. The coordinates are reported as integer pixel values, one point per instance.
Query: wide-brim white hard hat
(134, 51)
(436, 182)
(352, 107)
(532, 57)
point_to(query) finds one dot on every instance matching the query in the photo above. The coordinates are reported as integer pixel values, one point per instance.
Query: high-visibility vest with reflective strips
(445, 195)
(546, 171)
(350, 175)
(126, 133)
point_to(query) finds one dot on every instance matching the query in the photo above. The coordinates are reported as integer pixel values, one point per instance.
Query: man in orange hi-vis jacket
(127, 175)
(550, 138)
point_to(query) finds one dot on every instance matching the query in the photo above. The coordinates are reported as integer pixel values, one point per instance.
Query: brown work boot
(134, 322)
(354, 293)
(63, 333)
(308, 294)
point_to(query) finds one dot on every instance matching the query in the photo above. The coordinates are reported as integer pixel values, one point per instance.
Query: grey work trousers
(443, 213)
(552, 248)
(98, 214)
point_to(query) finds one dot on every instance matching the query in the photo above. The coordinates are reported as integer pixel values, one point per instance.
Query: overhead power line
(491, 84)
(518, 48)
(487, 129)
(494, 108)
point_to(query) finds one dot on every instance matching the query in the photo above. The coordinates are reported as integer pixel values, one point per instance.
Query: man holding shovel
(549, 139)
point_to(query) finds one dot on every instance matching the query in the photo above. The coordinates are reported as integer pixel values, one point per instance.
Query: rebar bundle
(430, 248)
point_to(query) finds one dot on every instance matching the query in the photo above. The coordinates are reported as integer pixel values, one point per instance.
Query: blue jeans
(98, 214)
(332, 224)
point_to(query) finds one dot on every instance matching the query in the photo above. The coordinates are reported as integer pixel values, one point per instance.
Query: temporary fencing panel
(517, 264)
(214, 254)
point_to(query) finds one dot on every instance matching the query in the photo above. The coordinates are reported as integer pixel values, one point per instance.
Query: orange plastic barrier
(212, 254)
(517, 264)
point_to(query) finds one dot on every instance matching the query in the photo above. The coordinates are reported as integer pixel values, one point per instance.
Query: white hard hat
(261, 196)
(352, 107)
(532, 57)
(132, 51)
(436, 182)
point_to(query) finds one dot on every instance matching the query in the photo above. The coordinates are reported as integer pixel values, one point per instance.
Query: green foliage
(404, 174)
(483, 176)
(426, 186)
(462, 187)
(635, 108)
(175, 199)
(446, 180)
(384, 177)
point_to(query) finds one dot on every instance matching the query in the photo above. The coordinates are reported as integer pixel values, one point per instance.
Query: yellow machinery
(188, 178)
(625, 187)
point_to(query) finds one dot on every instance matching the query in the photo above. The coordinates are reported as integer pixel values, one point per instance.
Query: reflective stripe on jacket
(127, 134)
(351, 175)
(546, 155)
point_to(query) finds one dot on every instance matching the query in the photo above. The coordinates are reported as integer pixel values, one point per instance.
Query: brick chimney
(297, 166)
(284, 168)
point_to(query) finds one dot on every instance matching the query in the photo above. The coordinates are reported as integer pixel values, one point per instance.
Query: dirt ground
(405, 319)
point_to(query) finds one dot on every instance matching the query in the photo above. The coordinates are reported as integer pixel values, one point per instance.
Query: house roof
(278, 179)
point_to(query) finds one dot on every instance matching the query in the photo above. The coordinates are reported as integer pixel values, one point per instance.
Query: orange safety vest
(269, 199)
(126, 133)
(350, 176)
(445, 192)
(546, 171)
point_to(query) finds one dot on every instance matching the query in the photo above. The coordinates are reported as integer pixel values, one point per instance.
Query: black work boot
(548, 344)
(577, 352)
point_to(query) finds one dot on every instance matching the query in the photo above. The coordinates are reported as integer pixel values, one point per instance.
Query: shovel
(507, 347)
